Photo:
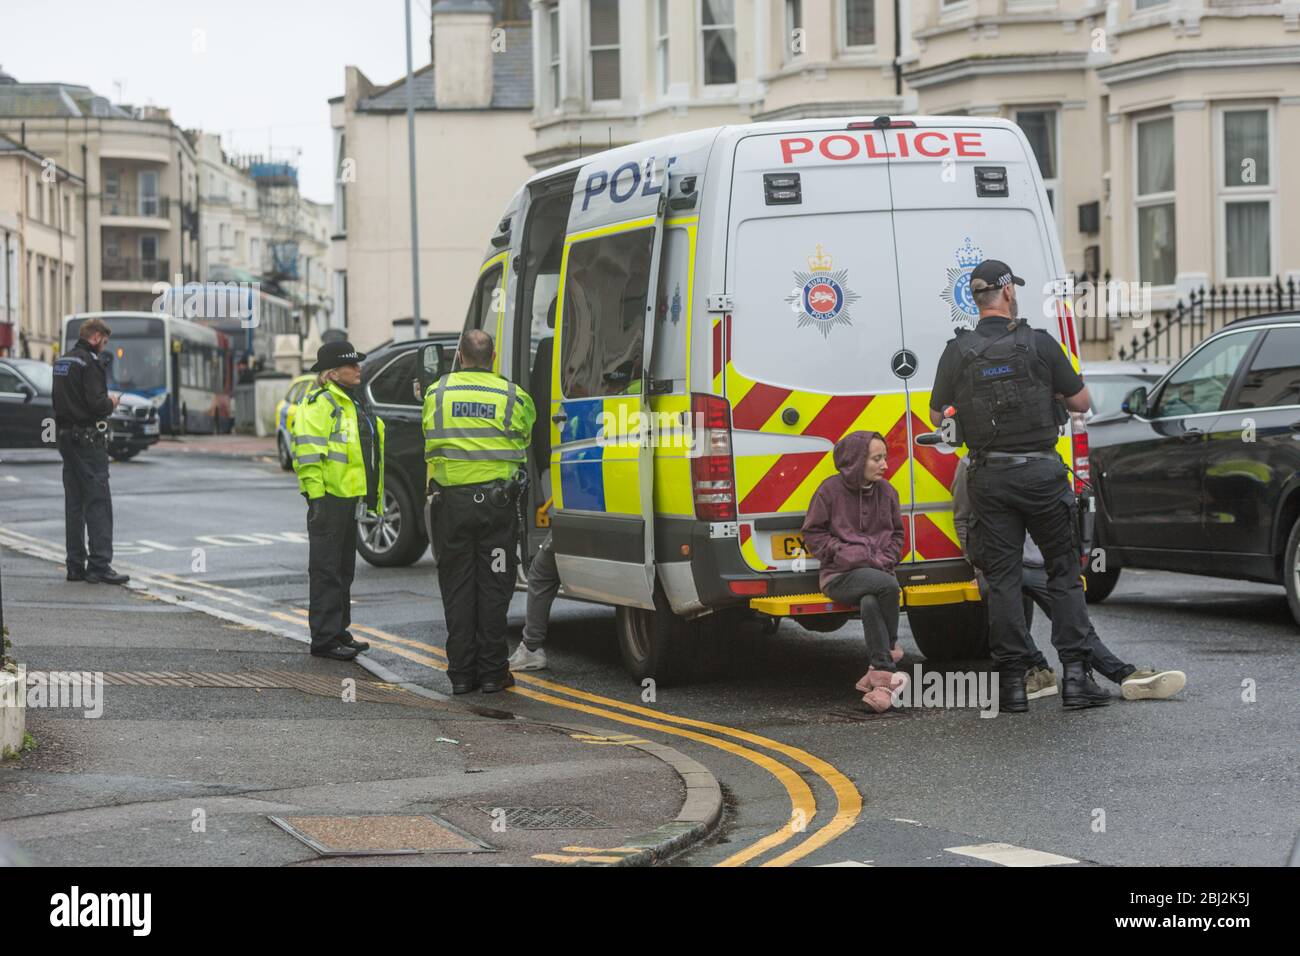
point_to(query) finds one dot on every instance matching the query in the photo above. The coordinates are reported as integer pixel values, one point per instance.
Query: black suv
(395, 378)
(1200, 473)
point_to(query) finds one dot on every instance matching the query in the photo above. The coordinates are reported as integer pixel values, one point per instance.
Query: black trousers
(331, 565)
(87, 501)
(475, 541)
(1008, 500)
(1101, 657)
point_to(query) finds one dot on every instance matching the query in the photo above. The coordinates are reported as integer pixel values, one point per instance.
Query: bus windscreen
(137, 365)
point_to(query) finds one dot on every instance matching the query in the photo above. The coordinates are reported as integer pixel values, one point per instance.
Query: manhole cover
(380, 835)
(546, 818)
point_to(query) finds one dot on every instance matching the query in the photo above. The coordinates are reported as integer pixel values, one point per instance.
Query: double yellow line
(732, 740)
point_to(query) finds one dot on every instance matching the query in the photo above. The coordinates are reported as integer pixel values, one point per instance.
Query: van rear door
(815, 327)
(962, 194)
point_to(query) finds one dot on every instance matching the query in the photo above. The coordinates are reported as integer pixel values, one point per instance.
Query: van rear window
(602, 325)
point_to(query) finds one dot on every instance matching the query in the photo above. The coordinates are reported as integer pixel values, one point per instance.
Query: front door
(601, 453)
(1155, 481)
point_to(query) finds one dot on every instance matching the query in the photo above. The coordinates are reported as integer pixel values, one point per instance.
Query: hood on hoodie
(851, 456)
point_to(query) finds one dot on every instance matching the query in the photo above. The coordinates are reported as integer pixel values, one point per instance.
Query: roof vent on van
(782, 189)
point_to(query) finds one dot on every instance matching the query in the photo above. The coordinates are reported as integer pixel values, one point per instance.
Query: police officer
(338, 453)
(1007, 382)
(476, 432)
(82, 404)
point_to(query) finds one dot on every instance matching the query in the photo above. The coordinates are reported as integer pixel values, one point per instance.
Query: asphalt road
(1208, 778)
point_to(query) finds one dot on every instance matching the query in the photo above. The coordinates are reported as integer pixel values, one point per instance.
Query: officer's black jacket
(80, 388)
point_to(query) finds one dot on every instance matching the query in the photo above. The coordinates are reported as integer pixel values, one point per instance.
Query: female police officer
(338, 453)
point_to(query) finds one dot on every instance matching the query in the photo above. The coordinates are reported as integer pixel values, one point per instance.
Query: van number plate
(787, 545)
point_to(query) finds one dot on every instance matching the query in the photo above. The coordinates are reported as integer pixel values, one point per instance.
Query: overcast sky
(260, 73)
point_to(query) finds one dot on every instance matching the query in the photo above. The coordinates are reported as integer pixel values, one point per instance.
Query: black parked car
(395, 378)
(1200, 473)
(27, 405)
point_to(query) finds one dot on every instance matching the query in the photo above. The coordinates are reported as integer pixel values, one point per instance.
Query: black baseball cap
(991, 274)
(336, 355)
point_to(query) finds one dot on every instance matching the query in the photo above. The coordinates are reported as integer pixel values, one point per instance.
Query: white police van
(701, 317)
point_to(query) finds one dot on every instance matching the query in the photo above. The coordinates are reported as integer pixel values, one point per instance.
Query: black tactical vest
(1004, 391)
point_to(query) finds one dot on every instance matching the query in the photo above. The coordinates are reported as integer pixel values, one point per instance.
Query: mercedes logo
(903, 363)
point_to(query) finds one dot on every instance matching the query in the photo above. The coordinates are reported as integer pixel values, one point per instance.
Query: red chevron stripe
(837, 415)
(931, 541)
(780, 482)
(745, 532)
(943, 467)
(757, 406)
(717, 347)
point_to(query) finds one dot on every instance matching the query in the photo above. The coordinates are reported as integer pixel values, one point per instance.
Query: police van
(700, 318)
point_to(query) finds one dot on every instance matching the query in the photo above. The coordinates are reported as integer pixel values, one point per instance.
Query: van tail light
(713, 477)
(892, 124)
(1082, 471)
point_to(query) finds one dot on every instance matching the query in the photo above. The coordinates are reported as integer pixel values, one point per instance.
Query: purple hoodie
(851, 524)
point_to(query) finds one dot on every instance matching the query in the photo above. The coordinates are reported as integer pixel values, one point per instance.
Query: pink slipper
(873, 678)
(878, 699)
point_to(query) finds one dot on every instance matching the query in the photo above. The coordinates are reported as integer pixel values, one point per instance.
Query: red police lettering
(853, 146)
(918, 142)
(871, 149)
(966, 148)
(788, 152)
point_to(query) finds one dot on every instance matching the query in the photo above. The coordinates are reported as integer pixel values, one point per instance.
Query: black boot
(1078, 689)
(1011, 692)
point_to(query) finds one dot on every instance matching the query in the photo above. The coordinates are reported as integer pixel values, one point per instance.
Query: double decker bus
(184, 368)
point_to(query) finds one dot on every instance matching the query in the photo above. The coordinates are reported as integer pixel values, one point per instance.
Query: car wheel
(951, 632)
(658, 644)
(395, 538)
(286, 459)
(1291, 570)
(1099, 584)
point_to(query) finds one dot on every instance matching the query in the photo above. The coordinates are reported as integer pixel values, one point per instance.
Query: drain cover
(547, 818)
(380, 835)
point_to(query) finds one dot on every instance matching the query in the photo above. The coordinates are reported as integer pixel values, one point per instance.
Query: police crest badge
(821, 297)
(961, 302)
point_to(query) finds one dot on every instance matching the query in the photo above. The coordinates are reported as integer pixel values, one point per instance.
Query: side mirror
(1135, 402)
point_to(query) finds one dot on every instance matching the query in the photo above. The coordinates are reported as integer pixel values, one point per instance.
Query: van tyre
(1099, 584)
(658, 644)
(396, 538)
(1291, 570)
(951, 632)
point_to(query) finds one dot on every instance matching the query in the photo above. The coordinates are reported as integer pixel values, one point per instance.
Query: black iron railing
(1176, 331)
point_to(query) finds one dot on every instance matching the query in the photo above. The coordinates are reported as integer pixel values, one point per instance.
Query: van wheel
(1099, 584)
(1291, 570)
(951, 632)
(395, 538)
(657, 644)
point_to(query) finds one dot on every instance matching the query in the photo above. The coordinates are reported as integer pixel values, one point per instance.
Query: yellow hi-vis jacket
(477, 427)
(327, 453)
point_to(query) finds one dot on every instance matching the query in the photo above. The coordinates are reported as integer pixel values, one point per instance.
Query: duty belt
(1017, 457)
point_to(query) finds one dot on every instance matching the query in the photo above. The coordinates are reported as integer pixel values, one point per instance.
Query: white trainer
(525, 660)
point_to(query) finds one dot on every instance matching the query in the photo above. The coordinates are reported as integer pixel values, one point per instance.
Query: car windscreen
(138, 364)
(1108, 391)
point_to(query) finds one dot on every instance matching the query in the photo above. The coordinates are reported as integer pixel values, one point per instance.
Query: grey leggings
(876, 594)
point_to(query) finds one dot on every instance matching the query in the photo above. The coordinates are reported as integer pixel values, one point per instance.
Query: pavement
(229, 446)
(208, 729)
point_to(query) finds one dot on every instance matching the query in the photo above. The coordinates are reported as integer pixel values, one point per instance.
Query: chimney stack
(462, 54)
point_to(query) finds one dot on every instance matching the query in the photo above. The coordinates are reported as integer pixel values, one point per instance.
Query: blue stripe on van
(582, 479)
(584, 419)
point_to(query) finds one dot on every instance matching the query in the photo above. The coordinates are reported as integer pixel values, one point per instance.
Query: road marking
(1005, 854)
(556, 858)
(803, 804)
(601, 849)
(845, 863)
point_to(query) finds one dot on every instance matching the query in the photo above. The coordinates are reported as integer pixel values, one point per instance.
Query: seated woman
(854, 527)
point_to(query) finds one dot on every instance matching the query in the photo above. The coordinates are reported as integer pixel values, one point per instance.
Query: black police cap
(993, 274)
(336, 355)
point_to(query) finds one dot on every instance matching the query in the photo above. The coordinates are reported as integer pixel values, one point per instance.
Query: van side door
(602, 458)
